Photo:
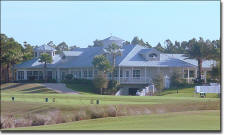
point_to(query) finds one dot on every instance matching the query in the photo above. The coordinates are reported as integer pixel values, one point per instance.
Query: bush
(112, 84)
(100, 82)
(176, 80)
(158, 83)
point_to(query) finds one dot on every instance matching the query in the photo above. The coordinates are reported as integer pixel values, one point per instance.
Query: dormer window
(152, 55)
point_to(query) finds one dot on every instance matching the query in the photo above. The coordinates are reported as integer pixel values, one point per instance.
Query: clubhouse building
(135, 68)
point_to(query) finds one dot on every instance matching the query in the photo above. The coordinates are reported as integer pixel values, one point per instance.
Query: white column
(145, 74)
(58, 74)
(119, 75)
(205, 76)
(25, 74)
(188, 75)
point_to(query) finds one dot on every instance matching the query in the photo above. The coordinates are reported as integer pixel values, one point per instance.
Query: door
(132, 91)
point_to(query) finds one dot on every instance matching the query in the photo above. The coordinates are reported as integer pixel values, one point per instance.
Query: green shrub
(100, 82)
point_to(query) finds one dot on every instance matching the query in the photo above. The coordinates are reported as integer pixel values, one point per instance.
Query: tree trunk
(13, 73)
(199, 69)
(7, 73)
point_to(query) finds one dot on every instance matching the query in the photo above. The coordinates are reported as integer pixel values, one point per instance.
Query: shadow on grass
(13, 86)
(39, 89)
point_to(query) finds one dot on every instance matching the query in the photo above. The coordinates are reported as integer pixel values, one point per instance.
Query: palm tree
(46, 59)
(199, 50)
(114, 50)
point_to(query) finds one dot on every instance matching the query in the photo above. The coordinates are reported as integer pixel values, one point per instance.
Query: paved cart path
(59, 87)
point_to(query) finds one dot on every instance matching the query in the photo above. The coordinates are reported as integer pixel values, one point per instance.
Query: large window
(34, 75)
(63, 75)
(121, 73)
(49, 75)
(136, 73)
(85, 73)
(90, 73)
(40, 75)
(115, 73)
(77, 74)
(127, 74)
(185, 73)
(191, 73)
(20, 75)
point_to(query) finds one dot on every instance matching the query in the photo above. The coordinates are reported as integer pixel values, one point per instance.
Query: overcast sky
(80, 23)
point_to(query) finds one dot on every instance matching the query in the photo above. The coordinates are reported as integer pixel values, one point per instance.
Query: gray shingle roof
(83, 57)
(72, 53)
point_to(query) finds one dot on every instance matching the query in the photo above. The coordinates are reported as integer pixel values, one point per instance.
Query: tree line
(13, 52)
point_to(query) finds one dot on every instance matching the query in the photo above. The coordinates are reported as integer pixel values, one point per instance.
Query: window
(136, 73)
(40, 75)
(185, 73)
(49, 75)
(127, 73)
(35, 54)
(152, 55)
(85, 73)
(89, 73)
(121, 73)
(29, 75)
(77, 74)
(191, 73)
(35, 74)
(96, 72)
(63, 75)
(20, 75)
(115, 73)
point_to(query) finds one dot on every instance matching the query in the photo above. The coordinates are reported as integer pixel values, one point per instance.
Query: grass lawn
(81, 88)
(30, 99)
(192, 120)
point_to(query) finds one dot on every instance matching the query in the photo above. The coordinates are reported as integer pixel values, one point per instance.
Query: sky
(80, 23)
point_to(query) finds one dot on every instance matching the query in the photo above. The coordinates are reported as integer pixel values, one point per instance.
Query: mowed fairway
(191, 120)
(182, 111)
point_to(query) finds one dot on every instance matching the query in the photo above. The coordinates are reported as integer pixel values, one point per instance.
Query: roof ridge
(130, 53)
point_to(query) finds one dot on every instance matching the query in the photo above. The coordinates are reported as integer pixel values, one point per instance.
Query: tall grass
(55, 116)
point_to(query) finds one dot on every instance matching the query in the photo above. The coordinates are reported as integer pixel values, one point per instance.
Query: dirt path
(59, 87)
